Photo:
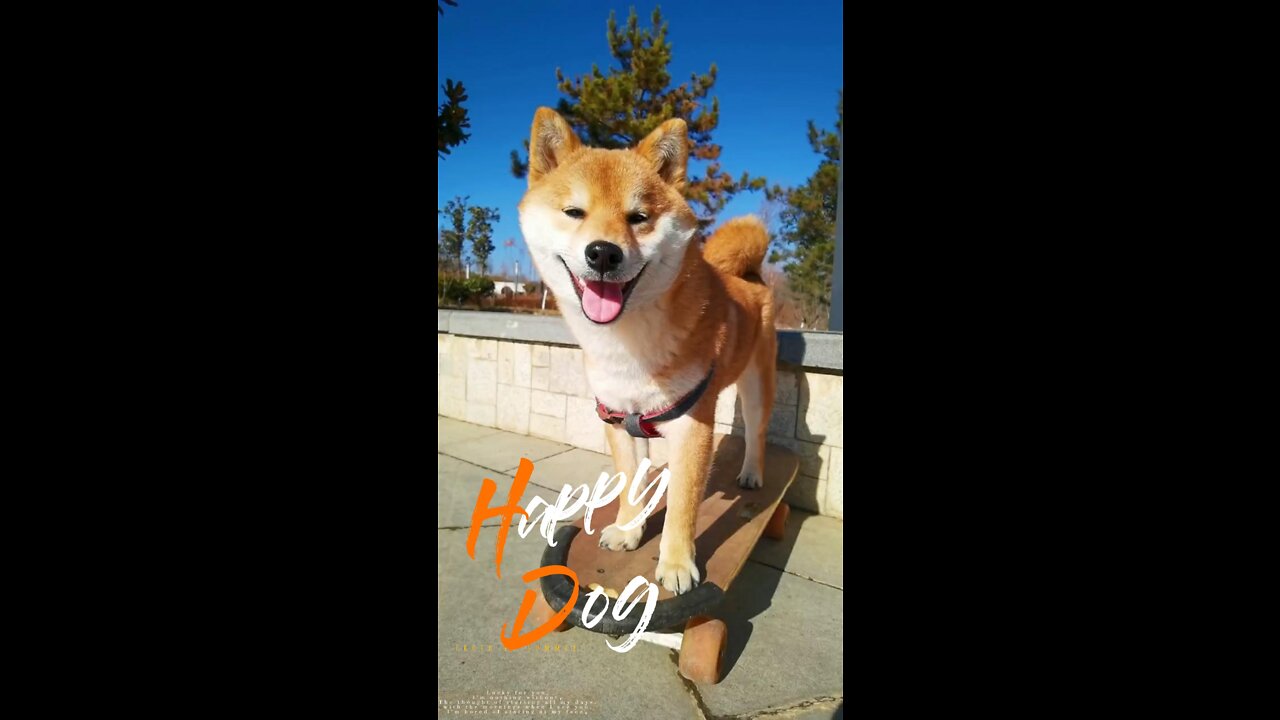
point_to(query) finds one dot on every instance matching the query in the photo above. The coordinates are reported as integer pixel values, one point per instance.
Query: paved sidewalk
(784, 611)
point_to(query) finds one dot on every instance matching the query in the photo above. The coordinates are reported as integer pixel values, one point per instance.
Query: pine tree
(619, 109)
(806, 243)
(451, 118)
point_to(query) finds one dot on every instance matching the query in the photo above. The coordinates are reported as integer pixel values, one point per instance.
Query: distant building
(517, 288)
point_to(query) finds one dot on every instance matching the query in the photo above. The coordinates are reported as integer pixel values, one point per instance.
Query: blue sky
(780, 64)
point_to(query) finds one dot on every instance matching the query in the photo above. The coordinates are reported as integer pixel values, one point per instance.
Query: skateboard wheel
(777, 527)
(542, 612)
(702, 649)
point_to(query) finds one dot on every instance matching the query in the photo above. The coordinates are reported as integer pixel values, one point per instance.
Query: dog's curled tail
(737, 248)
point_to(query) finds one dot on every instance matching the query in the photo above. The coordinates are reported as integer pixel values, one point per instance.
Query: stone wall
(540, 389)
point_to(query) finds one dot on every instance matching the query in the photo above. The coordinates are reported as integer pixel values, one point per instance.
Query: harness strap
(642, 425)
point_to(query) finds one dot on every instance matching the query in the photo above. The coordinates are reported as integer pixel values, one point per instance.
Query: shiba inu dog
(664, 324)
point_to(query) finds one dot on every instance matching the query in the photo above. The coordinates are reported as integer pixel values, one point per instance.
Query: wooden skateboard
(730, 522)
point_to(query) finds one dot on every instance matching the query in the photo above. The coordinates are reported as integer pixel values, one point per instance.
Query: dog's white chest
(622, 368)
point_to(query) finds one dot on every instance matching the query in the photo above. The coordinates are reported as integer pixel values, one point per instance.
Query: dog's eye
(636, 218)
(575, 213)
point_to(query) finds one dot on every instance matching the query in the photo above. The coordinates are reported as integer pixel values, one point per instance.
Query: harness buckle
(639, 427)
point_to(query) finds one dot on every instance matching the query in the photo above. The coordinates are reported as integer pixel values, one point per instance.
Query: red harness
(642, 425)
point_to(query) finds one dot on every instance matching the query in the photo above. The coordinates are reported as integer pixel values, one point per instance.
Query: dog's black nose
(603, 256)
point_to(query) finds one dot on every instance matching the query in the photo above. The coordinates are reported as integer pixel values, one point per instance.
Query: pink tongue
(602, 301)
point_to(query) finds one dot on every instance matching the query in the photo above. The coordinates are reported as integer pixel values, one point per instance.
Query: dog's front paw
(613, 538)
(678, 575)
(750, 480)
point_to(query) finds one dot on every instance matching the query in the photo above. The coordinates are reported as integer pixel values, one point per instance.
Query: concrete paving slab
(784, 656)
(786, 639)
(813, 548)
(564, 668)
(450, 431)
(458, 485)
(576, 467)
(503, 450)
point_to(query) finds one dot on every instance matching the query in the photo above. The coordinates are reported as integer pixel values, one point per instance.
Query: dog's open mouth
(602, 301)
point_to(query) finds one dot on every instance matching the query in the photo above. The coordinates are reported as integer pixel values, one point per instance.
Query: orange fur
(737, 248)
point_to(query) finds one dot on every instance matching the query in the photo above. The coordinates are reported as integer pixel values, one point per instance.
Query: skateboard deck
(730, 521)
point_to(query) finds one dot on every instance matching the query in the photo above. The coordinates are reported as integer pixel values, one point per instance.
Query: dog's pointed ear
(667, 147)
(550, 142)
